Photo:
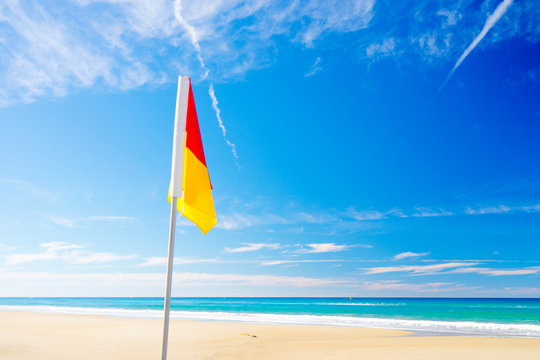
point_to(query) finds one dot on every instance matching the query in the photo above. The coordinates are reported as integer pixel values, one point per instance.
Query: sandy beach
(35, 336)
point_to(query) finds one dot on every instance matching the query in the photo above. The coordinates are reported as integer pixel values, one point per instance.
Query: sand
(34, 336)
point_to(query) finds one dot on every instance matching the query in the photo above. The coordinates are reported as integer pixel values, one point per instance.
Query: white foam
(358, 304)
(457, 327)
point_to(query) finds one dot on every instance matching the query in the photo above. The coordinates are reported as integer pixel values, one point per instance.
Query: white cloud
(108, 218)
(192, 33)
(498, 272)
(162, 261)
(370, 215)
(453, 268)
(296, 262)
(366, 215)
(503, 209)
(490, 22)
(30, 188)
(451, 16)
(48, 55)
(418, 269)
(316, 248)
(194, 37)
(3, 247)
(409, 254)
(237, 220)
(530, 209)
(157, 279)
(62, 221)
(89, 257)
(427, 212)
(380, 50)
(259, 280)
(77, 221)
(522, 290)
(126, 44)
(315, 68)
(328, 16)
(349, 221)
(277, 262)
(396, 285)
(67, 252)
(248, 247)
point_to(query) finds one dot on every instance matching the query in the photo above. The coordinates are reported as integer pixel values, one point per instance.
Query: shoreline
(26, 336)
(430, 327)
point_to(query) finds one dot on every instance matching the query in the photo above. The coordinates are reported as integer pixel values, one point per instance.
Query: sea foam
(449, 327)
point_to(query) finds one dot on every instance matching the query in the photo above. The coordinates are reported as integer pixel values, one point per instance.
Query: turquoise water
(504, 317)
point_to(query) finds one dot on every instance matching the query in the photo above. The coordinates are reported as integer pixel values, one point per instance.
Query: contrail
(220, 122)
(490, 22)
(195, 41)
(192, 35)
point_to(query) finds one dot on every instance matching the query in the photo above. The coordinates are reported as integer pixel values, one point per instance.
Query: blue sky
(366, 148)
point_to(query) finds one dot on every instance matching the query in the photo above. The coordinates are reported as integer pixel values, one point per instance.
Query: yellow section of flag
(196, 202)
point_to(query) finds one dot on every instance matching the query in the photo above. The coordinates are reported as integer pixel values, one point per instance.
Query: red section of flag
(193, 133)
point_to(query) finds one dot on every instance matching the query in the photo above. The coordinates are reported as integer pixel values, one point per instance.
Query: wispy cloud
(48, 55)
(500, 209)
(240, 220)
(418, 269)
(30, 189)
(162, 261)
(122, 45)
(468, 267)
(427, 212)
(409, 254)
(67, 252)
(236, 221)
(376, 51)
(108, 218)
(365, 215)
(451, 16)
(193, 36)
(490, 22)
(317, 248)
(72, 222)
(182, 279)
(260, 280)
(522, 290)
(503, 209)
(497, 272)
(315, 68)
(298, 261)
(370, 215)
(62, 221)
(4, 247)
(397, 285)
(249, 247)
(351, 220)
(127, 44)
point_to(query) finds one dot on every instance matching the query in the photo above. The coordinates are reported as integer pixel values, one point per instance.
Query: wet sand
(34, 336)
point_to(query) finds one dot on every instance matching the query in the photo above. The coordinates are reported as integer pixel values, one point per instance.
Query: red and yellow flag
(189, 164)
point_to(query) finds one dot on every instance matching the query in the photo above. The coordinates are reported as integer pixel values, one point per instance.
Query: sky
(355, 148)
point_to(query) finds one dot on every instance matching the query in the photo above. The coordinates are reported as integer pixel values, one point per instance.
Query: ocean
(460, 316)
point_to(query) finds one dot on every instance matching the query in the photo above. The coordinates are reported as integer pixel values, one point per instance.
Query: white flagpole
(170, 262)
(175, 191)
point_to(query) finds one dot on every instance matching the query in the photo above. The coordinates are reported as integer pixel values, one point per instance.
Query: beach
(25, 336)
